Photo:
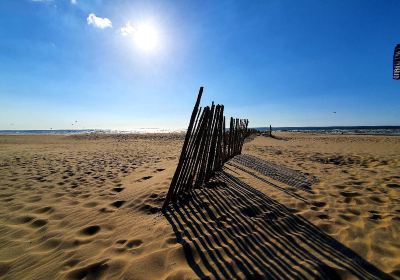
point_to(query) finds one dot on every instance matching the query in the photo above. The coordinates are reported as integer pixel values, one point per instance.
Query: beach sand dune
(299, 205)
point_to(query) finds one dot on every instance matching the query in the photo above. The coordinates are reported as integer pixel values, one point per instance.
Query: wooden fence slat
(187, 137)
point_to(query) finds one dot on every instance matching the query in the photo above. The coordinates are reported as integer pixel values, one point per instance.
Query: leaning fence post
(183, 153)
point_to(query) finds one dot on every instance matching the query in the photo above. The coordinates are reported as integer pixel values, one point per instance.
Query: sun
(146, 37)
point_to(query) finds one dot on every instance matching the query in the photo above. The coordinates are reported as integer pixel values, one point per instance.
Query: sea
(363, 130)
(88, 131)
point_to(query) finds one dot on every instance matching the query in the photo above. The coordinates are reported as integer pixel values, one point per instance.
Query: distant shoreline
(88, 131)
(337, 130)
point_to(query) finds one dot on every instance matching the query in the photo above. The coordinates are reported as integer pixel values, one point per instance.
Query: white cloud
(73, 2)
(127, 29)
(98, 21)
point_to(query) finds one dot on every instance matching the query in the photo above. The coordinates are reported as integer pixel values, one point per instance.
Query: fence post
(185, 144)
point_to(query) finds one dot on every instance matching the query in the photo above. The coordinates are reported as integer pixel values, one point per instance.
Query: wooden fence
(207, 146)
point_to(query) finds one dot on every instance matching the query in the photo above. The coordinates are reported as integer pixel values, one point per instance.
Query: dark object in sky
(396, 63)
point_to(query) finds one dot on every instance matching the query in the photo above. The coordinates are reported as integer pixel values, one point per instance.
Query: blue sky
(279, 62)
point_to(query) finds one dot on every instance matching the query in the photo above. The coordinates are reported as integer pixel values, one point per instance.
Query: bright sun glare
(146, 37)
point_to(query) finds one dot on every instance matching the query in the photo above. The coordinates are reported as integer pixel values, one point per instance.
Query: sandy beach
(180, 140)
(294, 206)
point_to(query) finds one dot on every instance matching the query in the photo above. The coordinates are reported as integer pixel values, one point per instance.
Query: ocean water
(49, 131)
(378, 130)
(87, 131)
(370, 130)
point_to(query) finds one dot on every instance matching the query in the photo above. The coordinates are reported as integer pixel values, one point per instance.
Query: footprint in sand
(90, 230)
(349, 218)
(375, 215)
(46, 209)
(319, 204)
(134, 243)
(150, 209)
(393, 186)
(92, 271)
(39, 223)
(23, 219)
(40, 179)
(377, 199)
(118, 203)
(8, 199)
(144, 178)
(323, 216)
(350, 194)
(121, 241)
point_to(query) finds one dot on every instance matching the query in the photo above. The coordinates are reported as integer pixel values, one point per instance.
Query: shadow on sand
(230, 230)
(288, 176)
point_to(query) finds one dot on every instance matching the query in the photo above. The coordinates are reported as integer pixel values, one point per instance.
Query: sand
(357, 197)
(298, 206)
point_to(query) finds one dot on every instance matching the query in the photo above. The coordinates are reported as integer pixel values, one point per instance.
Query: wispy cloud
(98, 22)
(74, 2)
(127, 29)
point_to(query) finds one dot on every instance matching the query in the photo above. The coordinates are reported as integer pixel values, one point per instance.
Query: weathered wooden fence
(207, 146)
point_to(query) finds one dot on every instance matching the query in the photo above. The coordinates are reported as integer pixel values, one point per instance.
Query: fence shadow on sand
(229, 230)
